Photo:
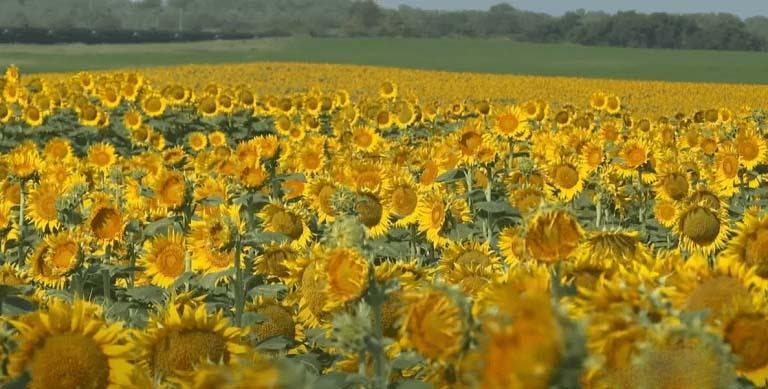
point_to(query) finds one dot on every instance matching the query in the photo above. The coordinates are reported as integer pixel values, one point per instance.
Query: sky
(743, 8)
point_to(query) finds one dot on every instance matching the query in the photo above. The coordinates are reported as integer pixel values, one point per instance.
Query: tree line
(354, 18)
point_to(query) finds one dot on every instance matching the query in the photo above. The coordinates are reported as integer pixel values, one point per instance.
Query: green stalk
(107, 285)
(20, 258)
(378, 296)
(238, 284)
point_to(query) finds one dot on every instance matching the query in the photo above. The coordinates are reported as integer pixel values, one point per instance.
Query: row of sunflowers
(157, 235)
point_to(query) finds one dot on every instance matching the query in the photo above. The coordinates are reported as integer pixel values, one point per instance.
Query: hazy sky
(743, 8)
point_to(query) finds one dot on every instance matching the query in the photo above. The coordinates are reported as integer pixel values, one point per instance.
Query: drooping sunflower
(68, 345)
(279, 319)
(286, 220)
(183, 336)
(672, 183)
(274, 259)
(164, 258)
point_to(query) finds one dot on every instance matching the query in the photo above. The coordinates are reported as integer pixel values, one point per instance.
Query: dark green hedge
(87, 36)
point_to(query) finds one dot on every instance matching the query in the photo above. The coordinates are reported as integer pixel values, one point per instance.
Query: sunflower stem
(238, 284)
(377, 297)
(20, 258)
(468, 179)
(107, 285)
(598, 211)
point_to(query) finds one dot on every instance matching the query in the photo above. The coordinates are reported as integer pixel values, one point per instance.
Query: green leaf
(146, 294)
(413, 384)
(276, 343)
(451, 175)
(251, 318)
(494, 207)
(254, 239)
(406, 360)
(160, 227)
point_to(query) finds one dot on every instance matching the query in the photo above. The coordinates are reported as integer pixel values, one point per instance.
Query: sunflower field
(244, 226)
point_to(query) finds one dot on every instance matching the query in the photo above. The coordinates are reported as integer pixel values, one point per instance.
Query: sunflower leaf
(451, 175)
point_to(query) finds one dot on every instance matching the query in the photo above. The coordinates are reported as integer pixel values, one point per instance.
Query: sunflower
(101, 156)
(54, 258)
(611, 247)
(41, 208)
(309, 280)
(374, 213)
(510, 122)
(88, 114)
(33, 116)
(633, 154)
(432, 210)
(365, 138)
(106, 221)
(217, 138)
(23, 160)
(598, 101)
(6, 113)
(320, 191)
(388, 90)
(749, 246)
(745, 330)
(278, 319)
(164, 258)
(751, 147)
(153, 105)
(273, 260)
(403, 195)
(672, 183)
(519, 348)
(197, 140)
(346, 276)
(210, 237)
(208, 194)
(169, 187)
(566, 179)
(714, 290)
(701, 228)
(612, 104)
(665, 212)
(286, 220)
(183, 336)
(434, 323)
(58, 150)
(552, 235)
(727, 164)
(69, 345)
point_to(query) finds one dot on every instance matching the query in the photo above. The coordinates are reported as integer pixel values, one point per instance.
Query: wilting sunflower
(164, 258)
(750, 244)
(54, 258)
(434, 323)
(701, 228)
(68, 345)
(286, 220)
(183, 336)
(552, 235)
(510, 122)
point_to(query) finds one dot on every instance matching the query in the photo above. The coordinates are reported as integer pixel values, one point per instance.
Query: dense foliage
(366, 18)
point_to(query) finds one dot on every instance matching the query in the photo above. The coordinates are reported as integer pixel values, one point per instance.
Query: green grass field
(492, 56)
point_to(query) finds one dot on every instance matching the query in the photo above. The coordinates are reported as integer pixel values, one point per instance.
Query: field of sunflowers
(241, 227)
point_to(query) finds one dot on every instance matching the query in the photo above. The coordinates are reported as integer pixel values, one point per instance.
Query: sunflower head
(434, 323)
(552, 235)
